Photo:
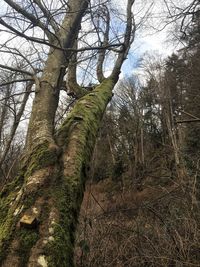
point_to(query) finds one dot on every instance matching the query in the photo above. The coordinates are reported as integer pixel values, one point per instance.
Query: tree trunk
(39, 210)
(41, 124)
(15, 124)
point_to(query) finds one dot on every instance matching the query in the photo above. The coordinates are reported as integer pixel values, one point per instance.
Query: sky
(148, 44)
(149, 38)
(152, 36)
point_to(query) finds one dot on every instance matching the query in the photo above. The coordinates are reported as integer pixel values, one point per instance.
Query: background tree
(157, 209)
(159, 223)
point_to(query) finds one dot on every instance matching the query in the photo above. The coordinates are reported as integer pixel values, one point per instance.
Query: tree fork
(51, 190)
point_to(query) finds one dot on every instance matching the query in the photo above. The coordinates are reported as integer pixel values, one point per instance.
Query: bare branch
(128, 39)
(16, 70)
(21, 34)
(102, 53)
(190, 115)
(47, 14)
(188, 121)
(45, 42)
(29, 16)
(15, 81)
(73, 88)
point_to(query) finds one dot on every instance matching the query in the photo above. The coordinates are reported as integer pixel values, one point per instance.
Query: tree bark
(52, 191)
(41, 124)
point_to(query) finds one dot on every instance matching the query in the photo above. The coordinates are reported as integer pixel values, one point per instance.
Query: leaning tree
(60, 43)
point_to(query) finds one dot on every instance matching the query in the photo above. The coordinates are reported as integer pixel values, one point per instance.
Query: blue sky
(149, 37)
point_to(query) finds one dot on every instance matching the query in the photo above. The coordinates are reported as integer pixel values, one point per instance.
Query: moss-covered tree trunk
(39, 210)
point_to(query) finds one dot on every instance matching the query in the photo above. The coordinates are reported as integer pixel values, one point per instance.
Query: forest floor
(120, 226)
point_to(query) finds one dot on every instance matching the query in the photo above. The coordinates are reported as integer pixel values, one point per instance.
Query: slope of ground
(156, 226)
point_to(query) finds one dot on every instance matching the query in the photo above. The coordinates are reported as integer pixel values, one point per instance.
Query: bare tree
(39, 209)
(184, 17)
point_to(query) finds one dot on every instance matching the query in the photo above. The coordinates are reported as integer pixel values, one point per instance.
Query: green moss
(40, 157)
(90, 109)
(82, 126)
(6, 230)
(27, 238)
(67, 200)
(13, 186)
(60, 250)
(7, 220)
(4, 206)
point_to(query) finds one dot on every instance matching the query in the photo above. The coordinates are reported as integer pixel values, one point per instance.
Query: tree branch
(128, 39)
(102, 53)
(188, 121)
(47, 15)
(73, 88)
(29, 16)
(21, 34)
(16, 70)
(16, 81)
(43, 41)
